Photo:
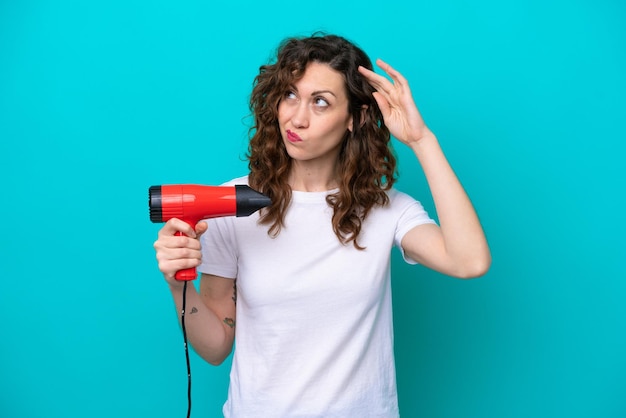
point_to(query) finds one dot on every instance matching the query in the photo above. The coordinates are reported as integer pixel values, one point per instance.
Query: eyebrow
(317, 92)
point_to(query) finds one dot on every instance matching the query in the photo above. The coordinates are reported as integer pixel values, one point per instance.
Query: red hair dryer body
(192, 203)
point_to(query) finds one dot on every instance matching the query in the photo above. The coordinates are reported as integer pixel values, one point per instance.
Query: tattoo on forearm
(230, 322)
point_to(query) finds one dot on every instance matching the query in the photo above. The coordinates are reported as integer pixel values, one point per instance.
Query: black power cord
(182, 323)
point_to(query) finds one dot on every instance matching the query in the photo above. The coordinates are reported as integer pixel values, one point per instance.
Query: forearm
(463, 237)
(208, 334)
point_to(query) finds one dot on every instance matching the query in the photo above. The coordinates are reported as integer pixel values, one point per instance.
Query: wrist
(425, 144)
(175, 285)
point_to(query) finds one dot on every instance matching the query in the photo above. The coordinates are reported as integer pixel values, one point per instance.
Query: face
(313, 115)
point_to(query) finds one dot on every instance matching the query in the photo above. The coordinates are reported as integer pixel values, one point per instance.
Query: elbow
(216, 359)
(216, 356)
(476, 268)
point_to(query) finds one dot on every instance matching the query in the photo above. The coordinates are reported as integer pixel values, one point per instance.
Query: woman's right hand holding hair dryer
(178, 252)
(211, 319)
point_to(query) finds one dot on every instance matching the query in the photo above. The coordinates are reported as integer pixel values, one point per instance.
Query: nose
(300, 116)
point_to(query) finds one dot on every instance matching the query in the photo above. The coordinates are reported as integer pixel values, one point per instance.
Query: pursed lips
(293, 137)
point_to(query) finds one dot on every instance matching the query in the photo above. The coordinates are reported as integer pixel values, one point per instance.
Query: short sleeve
(411, 213)
(219, 249)
(219, 243)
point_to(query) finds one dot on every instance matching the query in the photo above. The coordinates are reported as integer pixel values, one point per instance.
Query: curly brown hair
(366, 165)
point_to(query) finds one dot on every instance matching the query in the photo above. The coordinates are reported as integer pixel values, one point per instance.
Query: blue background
(99, 100)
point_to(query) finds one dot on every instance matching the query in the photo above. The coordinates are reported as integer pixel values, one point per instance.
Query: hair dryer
(192, 203)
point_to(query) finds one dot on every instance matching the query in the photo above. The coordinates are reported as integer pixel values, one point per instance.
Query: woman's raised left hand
(396, 104)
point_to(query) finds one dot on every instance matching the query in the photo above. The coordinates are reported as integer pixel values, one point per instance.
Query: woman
(304, 285)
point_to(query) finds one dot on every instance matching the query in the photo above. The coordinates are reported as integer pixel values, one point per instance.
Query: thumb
(383, 104)
(201, 228)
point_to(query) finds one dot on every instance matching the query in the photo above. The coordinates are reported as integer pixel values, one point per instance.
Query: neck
(312, 179)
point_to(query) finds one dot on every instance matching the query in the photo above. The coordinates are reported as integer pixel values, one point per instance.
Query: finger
(382, 81)
(170, 254)
(377, 81)
(169, 268)
(395, 75)
(172, 260)
(201, 228)
(170, 242)
(383, 104)
(175, 225)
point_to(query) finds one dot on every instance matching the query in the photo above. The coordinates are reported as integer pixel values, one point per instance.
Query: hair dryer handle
(190, 273)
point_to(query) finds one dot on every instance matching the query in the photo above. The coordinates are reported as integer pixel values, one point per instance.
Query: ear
(363, 114)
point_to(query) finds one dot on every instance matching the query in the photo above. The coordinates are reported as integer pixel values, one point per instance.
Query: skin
(458, 246)
(317, 111)
(213, 307)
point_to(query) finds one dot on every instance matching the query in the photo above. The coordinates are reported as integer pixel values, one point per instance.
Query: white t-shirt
(314, 333)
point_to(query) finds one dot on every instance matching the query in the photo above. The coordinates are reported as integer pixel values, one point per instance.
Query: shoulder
(236, 180)
(399, 198)
(408, 210)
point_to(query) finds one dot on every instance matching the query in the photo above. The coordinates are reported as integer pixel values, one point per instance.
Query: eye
(290, 95)
(321, 102)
